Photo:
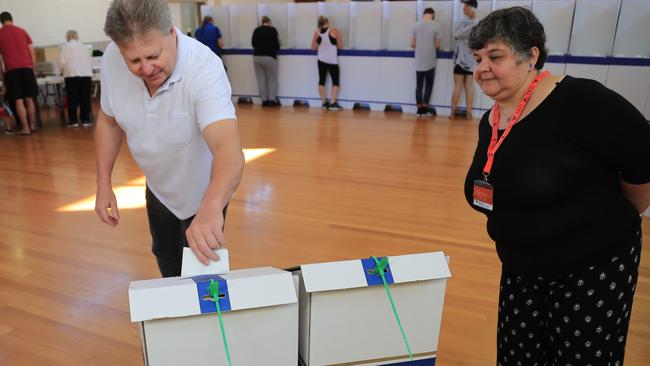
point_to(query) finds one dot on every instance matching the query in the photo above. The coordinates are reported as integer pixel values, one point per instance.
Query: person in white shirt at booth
(169, 95)
(77, 71)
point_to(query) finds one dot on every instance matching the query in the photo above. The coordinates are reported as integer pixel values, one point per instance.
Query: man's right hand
(106, 206)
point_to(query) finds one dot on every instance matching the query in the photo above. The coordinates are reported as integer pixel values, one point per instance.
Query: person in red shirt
(18, 63)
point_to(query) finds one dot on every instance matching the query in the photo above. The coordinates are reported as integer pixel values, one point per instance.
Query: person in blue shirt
(210, 35)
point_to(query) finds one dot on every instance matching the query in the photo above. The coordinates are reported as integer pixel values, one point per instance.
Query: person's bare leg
(31, 113)
(10, 125)
(335, 94)
(323, 96)
(455, 96)
(21, 112)
(469, 95)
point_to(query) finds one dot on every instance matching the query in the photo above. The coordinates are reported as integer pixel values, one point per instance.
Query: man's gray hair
(127, 19)
(71, 34)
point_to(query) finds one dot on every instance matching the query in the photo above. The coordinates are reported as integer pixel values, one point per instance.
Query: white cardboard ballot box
(346, 317)
(180, 326)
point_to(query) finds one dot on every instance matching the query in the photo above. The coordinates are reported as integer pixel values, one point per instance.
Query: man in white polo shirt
(169, 95)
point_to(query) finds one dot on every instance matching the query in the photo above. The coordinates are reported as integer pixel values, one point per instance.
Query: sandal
(21, 133)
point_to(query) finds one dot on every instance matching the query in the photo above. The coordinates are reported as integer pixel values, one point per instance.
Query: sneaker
(421, 112)
(266, 103)
(334, 107)
(431, 111)
(326, 105)
(72, 124)
(10, 132)
(86, 123)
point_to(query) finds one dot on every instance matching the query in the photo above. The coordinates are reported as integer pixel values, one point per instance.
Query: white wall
(47, 21)
(177, 13)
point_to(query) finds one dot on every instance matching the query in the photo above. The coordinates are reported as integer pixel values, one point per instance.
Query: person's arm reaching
(32, 54)
(337, 35)
(314, 41)
(62, 58)
(205, 234)
(108, 140)
(462, 30)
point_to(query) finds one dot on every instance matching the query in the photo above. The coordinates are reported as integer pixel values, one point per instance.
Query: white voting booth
(346, 316)
(179, 324)
(602, 40)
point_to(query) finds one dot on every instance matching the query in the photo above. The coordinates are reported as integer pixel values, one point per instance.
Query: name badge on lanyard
(483, 193)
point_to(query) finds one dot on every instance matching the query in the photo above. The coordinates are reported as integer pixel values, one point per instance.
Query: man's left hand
(205, 234)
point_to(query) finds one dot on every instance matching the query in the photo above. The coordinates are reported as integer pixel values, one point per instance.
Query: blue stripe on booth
(203, 292)
(344, 52)
(586, 60)
(556, 59)
(629, 61)
(559, 59)
(420, 362)
(375, 279)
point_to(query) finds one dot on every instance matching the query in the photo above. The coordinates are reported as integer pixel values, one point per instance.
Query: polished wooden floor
(338, 186)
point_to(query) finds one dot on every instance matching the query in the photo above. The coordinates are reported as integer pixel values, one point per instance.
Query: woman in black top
(265, 48)
(563, 193)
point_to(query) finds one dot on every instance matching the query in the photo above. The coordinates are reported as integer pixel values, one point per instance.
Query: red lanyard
(495, 142)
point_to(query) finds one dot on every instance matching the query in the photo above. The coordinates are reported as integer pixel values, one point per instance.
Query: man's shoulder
(111, 52)
(198, 57)
(424, 25)
(111, 58)
(12, 30)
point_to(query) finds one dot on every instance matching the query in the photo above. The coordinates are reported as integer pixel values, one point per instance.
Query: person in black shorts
(18, 62)
(327, 41)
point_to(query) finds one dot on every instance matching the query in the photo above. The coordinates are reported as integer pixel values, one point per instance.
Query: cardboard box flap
(162, 298)
(238, 290)
(360, 273)
(258, 287)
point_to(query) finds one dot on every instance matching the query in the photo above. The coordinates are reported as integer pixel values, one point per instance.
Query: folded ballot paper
(192, 267)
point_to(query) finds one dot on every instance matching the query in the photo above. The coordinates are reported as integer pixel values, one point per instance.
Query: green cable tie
(381, 269)
(214, 294)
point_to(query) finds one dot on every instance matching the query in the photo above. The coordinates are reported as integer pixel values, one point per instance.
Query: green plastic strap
(214, 294)
(381, 269)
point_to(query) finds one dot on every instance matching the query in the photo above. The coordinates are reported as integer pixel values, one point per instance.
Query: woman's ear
(534, 55)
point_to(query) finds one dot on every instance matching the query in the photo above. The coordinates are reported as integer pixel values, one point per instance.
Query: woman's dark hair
(206, 19)
(5, 16)
(322, 20)
(516, 26)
